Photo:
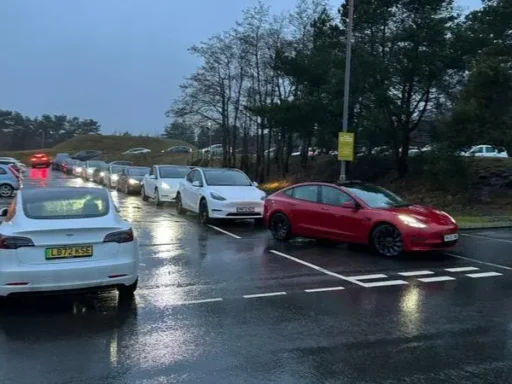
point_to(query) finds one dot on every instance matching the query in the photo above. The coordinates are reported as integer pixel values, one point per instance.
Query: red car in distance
(40, 160)
(359, 213)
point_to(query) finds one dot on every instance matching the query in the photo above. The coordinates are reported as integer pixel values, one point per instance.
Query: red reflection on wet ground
(39, 174)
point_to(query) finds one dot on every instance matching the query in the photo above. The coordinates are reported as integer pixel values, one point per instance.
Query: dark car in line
(66, 165)
(86, 154)
(56, 163)
(130, 179)
(98, 175)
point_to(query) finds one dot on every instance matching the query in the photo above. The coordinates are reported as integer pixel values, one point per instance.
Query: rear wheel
(127, 291)
(143, 194)
(179, 205)
(387, 240)
(6, 190)
(204, 216)
(280, 227)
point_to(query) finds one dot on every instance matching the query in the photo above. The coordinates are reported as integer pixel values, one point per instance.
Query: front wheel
(387, 240)
(280, 227)
(204, 216)
(179, 205)
(158, 202)
(143, 194)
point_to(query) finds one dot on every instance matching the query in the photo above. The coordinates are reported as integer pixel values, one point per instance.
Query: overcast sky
(117, 61)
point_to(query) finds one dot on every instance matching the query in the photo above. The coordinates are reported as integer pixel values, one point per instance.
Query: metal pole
(346, 92)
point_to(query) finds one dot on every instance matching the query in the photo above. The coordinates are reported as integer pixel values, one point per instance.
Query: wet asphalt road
(236, 307)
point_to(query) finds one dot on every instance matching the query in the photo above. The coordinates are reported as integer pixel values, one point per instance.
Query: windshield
(117, 170)
(225, 177)
(68, 203)
(138, 171)
(173, 172)
(376, 197)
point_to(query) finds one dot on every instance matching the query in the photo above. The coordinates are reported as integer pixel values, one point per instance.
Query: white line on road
(199, 301)
(416, 273)
(316, 267)
(484, 274)
(384, 283)
(324, 289)
(436, 279)
(478, 261)
(462, 269)
(368, 277)
(223, 231)
(264, 295)
(486, 238)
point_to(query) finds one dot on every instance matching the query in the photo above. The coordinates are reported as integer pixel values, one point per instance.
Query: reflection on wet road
(227, 304)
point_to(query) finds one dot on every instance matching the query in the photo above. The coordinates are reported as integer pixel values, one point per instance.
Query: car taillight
(119, 237)
(15, 242)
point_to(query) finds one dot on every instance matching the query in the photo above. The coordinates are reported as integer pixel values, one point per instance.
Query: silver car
(8, 181)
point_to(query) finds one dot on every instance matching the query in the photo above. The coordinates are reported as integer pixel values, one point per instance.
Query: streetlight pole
(210, 133)
(346, 91)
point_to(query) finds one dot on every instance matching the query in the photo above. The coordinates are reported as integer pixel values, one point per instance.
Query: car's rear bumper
(40, 164)
(35, 278)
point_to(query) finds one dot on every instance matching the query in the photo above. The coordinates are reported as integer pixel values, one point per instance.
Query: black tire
(204, 216)
(143, 194)
(179, 205)
(387, 240)
(280, 227)
(127, 291)
(6, 190)
(158, 203)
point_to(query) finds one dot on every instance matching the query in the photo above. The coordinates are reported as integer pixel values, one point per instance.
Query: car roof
(171, 165)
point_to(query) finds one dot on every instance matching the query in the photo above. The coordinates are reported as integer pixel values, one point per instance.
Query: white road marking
(264, 295)
(484, 274)
(479, 262)
(416, 273)
(462, 269)
(486, 238)
(199, 301)
(316, 267)
(436, 279)
(384, 283)
(368, 277)
(324, 289)
(225, 232)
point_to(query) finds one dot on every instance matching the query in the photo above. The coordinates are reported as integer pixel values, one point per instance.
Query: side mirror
(4, 212)
(255, 184)
(350, 205)
(196, 184)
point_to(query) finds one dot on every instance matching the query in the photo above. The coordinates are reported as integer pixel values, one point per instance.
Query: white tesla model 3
(66, 239)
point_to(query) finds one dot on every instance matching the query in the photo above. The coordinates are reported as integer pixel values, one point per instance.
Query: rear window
(137, 171)
(70, 203)
(173, 172)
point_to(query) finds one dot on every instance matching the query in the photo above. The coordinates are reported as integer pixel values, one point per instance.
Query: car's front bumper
(167, 194)
(232, 210)
(429, 239)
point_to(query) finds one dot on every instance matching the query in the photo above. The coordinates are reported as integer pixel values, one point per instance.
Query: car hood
(427, 215)
(138, 178)
(173, 183)
(249, 193)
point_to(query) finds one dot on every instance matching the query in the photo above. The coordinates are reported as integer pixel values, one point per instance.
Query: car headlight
(216, 196)
(90, 170)
(102, 174)
(79, 169)
(165, 186)
(115, 177)
(411, 221)
(133, 181)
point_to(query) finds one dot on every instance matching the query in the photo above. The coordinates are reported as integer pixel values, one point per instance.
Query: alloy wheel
(280, 227)
(387, 240)
(5, 190)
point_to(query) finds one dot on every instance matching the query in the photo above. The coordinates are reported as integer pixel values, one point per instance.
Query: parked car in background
(162, 181)
(134, 151)
(86, 155)
(335, 212)
(130, 179)
(12, 164)
(57, 160)
(17, 164)
(9, 182)
(111, 175)
(215, 150)
(121, 162)
(63, 239)
(220, 193)
(89, 168)
(178, 149)
(98, 176)
(40, 160)
(486, 151)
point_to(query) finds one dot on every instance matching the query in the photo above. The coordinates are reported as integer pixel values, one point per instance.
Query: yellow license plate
(68, 252)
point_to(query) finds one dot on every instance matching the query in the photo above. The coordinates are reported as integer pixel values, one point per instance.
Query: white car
(161, 184)
(112, 175)
(486, 151)
(66, 239)
(220, 193)
(134, 151)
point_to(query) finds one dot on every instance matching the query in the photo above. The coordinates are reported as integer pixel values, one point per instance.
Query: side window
(489, 149)
(478, 150)
(289, 192)
(3, 171)
(306, 192)
(198, 177)
(190, 176)
(152, 171)
(333, 196)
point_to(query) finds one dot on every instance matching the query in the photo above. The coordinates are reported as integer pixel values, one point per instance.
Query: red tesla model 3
(359, 213)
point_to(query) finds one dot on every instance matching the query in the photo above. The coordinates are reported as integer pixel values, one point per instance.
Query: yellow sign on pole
(346, 146)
